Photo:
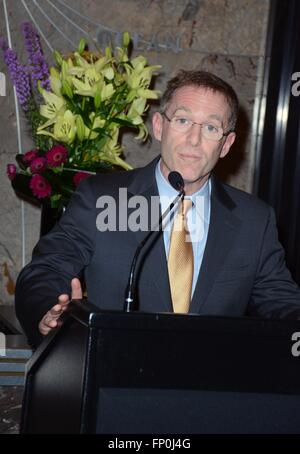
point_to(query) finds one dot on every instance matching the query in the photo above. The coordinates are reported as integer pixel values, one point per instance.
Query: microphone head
(176, 180)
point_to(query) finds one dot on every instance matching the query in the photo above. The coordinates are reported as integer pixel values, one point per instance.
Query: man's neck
(190, 188)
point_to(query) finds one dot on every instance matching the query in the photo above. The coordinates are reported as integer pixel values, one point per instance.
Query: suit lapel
(153, 262)
(222, 233)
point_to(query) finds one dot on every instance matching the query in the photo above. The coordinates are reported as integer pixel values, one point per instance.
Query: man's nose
(195, 134)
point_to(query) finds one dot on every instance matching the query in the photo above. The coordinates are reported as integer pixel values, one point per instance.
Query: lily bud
(67, 90)
(58, 57)
(126, 39)
(108, 53)
(97, 99)
(81, 47)
(80, 127)
(64, 70)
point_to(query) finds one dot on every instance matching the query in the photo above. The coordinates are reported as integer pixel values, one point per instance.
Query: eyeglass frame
(225, 134)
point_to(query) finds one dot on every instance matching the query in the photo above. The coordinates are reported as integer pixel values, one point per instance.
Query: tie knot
(186, 205)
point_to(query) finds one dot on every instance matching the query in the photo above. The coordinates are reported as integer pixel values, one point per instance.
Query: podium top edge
(94, 317)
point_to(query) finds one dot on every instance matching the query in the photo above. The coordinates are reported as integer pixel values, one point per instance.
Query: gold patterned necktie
(181, 260)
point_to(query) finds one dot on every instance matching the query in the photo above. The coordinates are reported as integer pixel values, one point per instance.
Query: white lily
(136, 110)
(111, 151)
(64, 128)
(55, 104)
(55, 81)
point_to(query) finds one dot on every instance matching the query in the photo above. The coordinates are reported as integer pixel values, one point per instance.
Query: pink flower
(40, 186)
(30, 156)
(79, 176)
(11, 171)
(38, 165)
(57, 156)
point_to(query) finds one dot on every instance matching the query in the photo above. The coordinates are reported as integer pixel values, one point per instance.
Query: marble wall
(226, 37)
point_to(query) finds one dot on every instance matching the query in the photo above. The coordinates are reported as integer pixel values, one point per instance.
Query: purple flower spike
(19, 77)
(38, 67)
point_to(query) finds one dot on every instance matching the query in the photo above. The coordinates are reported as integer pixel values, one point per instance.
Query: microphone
(176, 180)
(177, 183)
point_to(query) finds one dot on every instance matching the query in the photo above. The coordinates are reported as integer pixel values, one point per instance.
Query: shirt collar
(165, 189)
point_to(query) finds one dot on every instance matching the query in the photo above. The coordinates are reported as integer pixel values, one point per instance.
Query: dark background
(277, 176)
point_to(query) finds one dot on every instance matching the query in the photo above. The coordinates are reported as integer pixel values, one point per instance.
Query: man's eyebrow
(216, 117)
(187, 110)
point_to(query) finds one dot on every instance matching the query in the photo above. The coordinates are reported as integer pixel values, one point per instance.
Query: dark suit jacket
(243, 269)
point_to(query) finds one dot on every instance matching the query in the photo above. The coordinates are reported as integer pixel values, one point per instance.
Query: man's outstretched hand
(50, 320)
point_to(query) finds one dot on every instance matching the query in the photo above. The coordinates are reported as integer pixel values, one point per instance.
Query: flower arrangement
(76, 110)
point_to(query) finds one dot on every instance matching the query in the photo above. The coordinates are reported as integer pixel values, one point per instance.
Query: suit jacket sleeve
(274, 293)
(58, 257)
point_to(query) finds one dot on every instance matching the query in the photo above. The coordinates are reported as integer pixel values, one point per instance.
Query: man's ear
(227, 144)
(157, 121)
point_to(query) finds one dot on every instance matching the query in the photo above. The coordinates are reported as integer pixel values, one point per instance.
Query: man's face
(190, 153)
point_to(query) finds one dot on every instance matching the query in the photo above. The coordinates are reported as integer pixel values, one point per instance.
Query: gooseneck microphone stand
(177, 182)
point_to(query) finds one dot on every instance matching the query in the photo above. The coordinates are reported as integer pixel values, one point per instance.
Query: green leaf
(102, 131)
(57, 170)
(122, 122)
(39, 87)
(81, 47)
(66, 89)
(55, 200)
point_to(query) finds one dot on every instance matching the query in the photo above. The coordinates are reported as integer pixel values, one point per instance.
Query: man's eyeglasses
(208, 130)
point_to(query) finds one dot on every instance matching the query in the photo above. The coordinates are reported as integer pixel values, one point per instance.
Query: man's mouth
(188, 156)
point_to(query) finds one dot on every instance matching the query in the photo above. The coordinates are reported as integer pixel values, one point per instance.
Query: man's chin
(191, 179)
(193, 184)
(189, 174)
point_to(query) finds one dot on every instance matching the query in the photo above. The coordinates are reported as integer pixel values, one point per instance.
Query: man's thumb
(76, 289)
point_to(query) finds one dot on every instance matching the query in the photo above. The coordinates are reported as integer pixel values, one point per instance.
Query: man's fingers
(76, 289)
(47, 323)
(51, 319)
(44, 330)
(55, 311)
(63, 299)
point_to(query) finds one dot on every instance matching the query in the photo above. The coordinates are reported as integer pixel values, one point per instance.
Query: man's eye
(182, 121)
(210, 128)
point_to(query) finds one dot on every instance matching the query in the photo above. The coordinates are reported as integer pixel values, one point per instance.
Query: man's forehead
(190, 98)
(198, 93)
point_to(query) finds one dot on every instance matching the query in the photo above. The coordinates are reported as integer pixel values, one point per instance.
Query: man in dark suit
(238, 264)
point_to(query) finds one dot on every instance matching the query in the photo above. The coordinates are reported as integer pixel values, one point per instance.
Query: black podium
(132, 373)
